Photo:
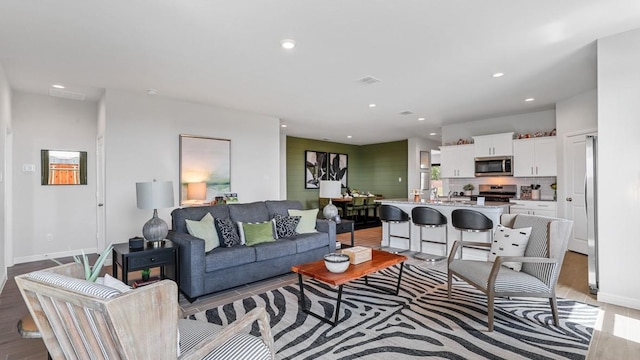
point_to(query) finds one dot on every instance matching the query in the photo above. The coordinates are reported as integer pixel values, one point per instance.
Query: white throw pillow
(307, 222)
(509, 242)
(205, 230)
(112, 282)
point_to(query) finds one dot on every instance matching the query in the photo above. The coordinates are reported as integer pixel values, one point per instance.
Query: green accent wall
(374, 168)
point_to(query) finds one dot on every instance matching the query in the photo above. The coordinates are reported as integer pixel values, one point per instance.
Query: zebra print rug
(420, 322)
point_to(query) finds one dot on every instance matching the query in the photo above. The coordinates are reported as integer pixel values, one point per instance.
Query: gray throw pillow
(285, 226)
(227, 232)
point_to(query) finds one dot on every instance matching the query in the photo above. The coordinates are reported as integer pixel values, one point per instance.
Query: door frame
(562, 194)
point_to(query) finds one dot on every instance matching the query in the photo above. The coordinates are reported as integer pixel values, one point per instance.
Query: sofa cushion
(223, 258)
(205, 230)
(307, 222)
(285, 226)
(276, 249)
(256, 233)
(178, 216)
(227, 232)
(250, 212)
(310, 241)
(281, 207)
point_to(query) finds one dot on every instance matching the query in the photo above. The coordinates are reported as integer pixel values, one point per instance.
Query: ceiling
(433, 58)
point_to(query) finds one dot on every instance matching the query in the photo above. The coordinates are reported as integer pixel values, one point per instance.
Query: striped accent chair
(541, 263)
(84, 320)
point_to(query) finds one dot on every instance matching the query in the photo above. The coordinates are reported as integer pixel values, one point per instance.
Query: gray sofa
(223, 268)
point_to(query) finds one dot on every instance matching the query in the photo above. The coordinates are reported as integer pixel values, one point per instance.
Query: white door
(100, 212)
(574, 196)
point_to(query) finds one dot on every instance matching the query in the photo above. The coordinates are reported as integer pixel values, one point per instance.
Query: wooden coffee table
(316, 270)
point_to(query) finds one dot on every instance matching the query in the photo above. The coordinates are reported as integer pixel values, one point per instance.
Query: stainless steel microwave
(494, 166)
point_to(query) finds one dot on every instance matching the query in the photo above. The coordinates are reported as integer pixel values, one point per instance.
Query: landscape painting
(207, 160)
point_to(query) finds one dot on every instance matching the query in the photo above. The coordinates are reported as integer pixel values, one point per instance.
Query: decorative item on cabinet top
(537, 134)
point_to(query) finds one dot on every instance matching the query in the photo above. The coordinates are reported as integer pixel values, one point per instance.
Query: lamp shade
(330, 189)
(196, 191)
(154, 195)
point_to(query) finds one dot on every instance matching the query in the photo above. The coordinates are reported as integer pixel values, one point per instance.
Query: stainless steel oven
(494, 166)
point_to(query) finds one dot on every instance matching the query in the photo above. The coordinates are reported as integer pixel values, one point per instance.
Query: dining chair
(356, 207)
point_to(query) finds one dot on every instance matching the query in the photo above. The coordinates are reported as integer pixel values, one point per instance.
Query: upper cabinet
(493, 145)
(457, 161)
(535, 157)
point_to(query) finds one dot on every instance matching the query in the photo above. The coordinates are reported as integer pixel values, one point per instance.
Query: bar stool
(394, 215)
(426, 217)
(471, 221)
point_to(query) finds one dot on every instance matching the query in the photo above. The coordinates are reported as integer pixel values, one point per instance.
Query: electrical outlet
(49, 237)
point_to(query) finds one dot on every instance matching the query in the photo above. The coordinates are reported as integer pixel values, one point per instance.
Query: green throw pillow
(205, 230)
(257, 233)
(307, 222)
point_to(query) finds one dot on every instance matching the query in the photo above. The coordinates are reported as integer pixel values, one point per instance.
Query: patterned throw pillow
(227, 232)
(285, 226)
(510, 242)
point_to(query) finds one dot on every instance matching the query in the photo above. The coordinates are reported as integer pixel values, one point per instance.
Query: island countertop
(456, 203)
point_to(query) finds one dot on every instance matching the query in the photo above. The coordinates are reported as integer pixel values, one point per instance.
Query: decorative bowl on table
(336, 263)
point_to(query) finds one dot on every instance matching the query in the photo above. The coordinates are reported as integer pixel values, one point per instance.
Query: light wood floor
(617, 334)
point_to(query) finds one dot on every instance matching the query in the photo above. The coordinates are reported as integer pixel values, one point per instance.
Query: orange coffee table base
(316, 270)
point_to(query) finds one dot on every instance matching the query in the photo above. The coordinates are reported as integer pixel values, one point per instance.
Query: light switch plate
(28, 168)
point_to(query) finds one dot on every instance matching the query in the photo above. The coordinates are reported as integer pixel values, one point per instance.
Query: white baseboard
(618, 300)
(26, 259)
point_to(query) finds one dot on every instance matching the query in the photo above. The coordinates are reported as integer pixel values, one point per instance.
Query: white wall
(522, 123)
(414, 146)
(578, 114)
(142, 143)
(619, 168)
(5, 125)
(64, 211)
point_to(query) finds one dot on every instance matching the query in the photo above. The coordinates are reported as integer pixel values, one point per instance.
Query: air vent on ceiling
(66, 94)
(406, 112)
(368, 80)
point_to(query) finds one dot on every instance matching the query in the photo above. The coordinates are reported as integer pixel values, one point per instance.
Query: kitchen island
(493, 210)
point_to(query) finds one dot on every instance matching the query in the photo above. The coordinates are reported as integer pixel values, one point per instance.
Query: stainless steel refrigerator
(591, 206)
(425, 172)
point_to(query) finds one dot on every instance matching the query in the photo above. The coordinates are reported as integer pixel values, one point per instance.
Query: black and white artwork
(337, 168)
(315, 168)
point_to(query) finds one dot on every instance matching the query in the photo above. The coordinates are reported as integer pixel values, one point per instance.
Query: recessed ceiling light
(372, 105)
(432, 134)
(58, 86)
(420, 119)
(349, 136)
(529, 99)
(283, 125)
(498, 74)
(288, 44)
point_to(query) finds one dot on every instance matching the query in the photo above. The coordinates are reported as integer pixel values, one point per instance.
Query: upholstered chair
(541, 263)
(79, 319)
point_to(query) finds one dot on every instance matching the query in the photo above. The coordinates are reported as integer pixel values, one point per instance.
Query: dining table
(343, 202)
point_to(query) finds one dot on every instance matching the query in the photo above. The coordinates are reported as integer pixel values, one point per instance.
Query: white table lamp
(330, 189)
(155, 195)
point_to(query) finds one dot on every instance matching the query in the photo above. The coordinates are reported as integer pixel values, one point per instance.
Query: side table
(344, 226)
(148, 257)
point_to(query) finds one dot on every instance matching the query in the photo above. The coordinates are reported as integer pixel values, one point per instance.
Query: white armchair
(81, 320)
(541, 263)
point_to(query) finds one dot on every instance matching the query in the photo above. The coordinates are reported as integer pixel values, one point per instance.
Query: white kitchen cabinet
(493, 145)
(535, 157)
(533, 207)
(457, 161)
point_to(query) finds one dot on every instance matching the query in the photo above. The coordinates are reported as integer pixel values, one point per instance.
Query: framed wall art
(315, 168)
(205, 169)
(337, 168)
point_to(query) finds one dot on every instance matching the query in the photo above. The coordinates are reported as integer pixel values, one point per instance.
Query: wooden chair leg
(490, 301)
(554, 310)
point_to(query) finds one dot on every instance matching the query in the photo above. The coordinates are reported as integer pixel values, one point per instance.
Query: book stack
(139, 283)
